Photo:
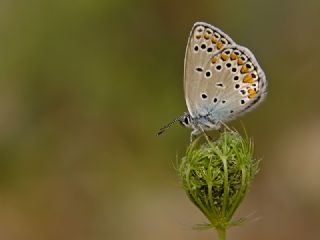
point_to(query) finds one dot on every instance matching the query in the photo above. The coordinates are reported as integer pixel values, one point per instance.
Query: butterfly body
(200, 123)
(222, 80)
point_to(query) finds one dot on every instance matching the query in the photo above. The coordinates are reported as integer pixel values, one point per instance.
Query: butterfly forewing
(204, 42)
(222, 79)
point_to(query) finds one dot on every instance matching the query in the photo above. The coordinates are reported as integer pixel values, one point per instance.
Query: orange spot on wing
(248, 79)
(220, 45)
(224, 57)
(244, 69)
(252, 93)
(214, 40)
(240, 61)
(233, 56)
(206, 36)
(214, 60)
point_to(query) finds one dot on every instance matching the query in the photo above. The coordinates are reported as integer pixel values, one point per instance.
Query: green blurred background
(85, 85)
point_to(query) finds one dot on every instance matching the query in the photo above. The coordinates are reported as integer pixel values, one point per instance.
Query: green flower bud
(216, 176)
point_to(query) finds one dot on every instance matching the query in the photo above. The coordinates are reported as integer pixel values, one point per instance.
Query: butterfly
(222, 80)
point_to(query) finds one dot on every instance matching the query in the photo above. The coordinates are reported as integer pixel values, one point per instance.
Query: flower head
(216, 176)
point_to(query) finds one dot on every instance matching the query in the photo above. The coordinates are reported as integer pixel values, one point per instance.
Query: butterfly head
(185, 120)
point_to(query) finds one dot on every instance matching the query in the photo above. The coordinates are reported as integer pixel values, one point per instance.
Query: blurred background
(85, 85)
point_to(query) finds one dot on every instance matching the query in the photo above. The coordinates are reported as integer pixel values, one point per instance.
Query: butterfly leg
(205, 134)
(225, 126)
(195, 132)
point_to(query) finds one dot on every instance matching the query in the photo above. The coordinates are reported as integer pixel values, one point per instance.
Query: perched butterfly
(222, 80)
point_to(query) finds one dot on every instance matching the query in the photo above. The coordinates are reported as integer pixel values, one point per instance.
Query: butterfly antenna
(161, 130)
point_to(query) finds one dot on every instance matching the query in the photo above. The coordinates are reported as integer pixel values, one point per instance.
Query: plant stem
(221, 233)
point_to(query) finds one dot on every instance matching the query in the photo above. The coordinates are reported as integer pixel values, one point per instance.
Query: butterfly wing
(223, 83)
(204, 42)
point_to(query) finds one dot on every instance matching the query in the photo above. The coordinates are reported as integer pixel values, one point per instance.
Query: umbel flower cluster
(216, 176)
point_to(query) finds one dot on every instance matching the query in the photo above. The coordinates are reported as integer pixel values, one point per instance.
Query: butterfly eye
(185, 121)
